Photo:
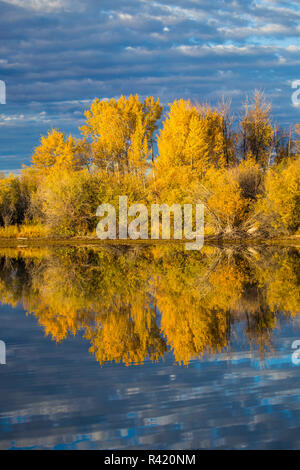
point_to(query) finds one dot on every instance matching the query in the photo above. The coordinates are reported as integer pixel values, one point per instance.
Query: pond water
(150, 348)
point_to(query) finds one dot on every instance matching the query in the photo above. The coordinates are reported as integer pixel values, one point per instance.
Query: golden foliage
(136, 304)
(198, 160)
(122, 132)
(282, 199)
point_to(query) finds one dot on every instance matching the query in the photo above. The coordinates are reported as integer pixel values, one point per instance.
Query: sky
(56, 56)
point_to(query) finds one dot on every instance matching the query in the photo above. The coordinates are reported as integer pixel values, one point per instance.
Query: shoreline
(23, 242)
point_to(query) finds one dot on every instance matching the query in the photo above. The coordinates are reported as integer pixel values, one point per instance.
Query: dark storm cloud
(57, 55)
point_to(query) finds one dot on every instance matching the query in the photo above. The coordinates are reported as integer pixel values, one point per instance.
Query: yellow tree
(120, 130)
(191, 141)
(152, 111)
(224, 201)
(138, 152)
(257, 132)
(282, 199)
(57, 150)
(12, 203)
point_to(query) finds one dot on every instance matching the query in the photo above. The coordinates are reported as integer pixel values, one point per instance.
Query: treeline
(245, 171)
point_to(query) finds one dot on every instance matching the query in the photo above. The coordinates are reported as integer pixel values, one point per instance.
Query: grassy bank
(48, 241)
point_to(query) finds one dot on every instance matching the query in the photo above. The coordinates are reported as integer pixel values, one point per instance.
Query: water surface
(149, 348)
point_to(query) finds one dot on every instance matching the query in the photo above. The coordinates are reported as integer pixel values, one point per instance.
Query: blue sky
(56, 56)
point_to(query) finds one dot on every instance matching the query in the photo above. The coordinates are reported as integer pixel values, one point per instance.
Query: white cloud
(45, 6)
(13, 119)
(293, 48)
(273, 28)
(220, 49)
(125, 17)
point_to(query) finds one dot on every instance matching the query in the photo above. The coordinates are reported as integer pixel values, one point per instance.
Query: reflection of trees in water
(114, 296)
